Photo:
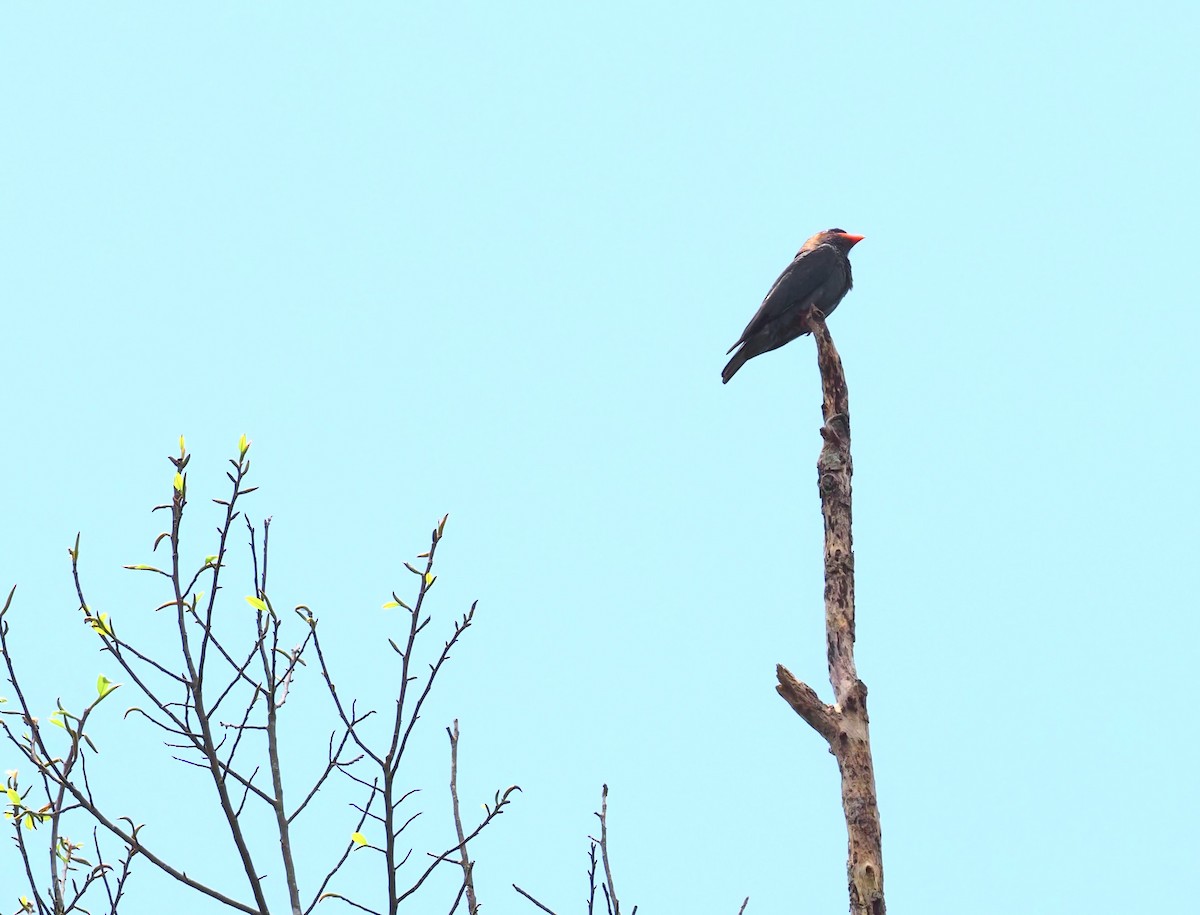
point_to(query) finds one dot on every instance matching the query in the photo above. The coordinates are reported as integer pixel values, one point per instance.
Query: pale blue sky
(487, 259)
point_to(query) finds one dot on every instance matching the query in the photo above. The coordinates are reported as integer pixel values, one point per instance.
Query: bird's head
(839, 238)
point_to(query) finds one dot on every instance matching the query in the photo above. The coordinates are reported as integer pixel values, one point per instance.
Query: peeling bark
(844, 725)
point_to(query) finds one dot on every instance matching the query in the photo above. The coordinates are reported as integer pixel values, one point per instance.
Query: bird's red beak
(853, 239)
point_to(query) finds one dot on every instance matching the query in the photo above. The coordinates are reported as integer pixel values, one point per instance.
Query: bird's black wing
(795, 287)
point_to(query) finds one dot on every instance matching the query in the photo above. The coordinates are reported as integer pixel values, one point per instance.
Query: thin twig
(348, 721)
(591, 878)
(458, 897)
(352, 903)
(394, 754)
(335, 762)
(534, 901)
(467, 865)
(271, 697)
(603, 814)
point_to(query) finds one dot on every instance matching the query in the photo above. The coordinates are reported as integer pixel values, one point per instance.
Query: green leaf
(257, 603)
(13, 796)
(104, 686)
(179, 482)
(391, 605)
(100, 624)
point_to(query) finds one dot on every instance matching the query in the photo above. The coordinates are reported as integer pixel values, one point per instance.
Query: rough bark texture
(844, 724)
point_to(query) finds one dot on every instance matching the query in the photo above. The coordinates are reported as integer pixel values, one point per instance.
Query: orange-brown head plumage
(818, 277)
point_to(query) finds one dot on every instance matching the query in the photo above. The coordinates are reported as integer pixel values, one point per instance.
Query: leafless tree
(219, 701)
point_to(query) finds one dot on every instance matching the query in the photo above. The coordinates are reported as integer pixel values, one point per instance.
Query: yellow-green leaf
(243, 445)
(179, 482)
(13, 796)
(429, 576)
(182, 447)
(257, 603)
(391, 605)
(358, 838)
(100, 624)
(104, 686)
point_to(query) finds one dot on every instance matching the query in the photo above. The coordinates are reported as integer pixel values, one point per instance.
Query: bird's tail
(732, 366)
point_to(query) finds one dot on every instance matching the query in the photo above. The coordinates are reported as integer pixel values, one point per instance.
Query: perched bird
(819, 277)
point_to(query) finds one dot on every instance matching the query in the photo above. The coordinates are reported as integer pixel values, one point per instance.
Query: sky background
(486, 259)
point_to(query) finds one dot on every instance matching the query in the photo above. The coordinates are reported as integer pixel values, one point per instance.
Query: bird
(818, 277)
